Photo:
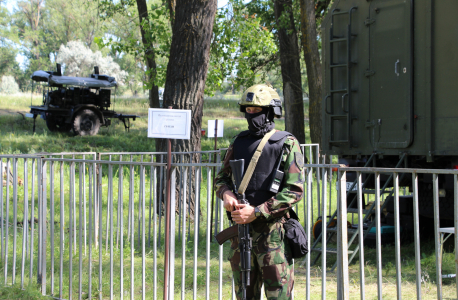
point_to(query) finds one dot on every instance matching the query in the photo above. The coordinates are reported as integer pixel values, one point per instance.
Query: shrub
(79, 60)
(9, 85)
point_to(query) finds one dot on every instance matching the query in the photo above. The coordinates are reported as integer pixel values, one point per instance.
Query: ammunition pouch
(295, 236)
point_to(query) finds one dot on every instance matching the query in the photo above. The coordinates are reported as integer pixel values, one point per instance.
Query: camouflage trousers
(270, 264)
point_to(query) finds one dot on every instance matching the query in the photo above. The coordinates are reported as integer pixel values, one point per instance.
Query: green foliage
(8, 63)
(8, 85)
(43, 26)
(243, 50)
(7, 59)
(229, 62)
(240, 49)
(156, 27)
(36, 30)
(244, 46)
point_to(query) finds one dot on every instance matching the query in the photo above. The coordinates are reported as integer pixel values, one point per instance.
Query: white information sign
(169, 123)
(211, 128)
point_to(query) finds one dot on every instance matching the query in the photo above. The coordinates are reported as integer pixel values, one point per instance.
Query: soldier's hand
(244, 214)
(230, 200)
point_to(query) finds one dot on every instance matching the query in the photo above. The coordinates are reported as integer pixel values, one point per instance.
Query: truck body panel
(389, 72)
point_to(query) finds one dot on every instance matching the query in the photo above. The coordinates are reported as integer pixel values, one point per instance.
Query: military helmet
(261, 95)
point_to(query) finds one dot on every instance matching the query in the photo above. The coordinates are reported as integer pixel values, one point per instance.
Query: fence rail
(91, 225)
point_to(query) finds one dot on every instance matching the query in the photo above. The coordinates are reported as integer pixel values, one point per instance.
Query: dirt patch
(8, 112)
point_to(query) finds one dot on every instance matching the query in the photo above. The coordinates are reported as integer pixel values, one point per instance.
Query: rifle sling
(254, 162)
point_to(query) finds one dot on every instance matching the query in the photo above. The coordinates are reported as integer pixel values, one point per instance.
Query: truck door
(390, 73)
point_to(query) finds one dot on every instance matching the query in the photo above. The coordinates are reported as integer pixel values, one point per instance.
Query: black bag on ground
(296, 236)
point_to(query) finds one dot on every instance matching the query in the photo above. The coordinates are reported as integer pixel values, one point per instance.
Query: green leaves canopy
(242, 47)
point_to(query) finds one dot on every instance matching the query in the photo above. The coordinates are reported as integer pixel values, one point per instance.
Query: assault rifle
(243, 229)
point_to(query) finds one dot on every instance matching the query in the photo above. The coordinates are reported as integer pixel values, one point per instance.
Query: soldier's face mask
(256, 121)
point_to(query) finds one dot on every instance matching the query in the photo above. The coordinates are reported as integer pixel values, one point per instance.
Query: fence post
(342, 239)
(51, 222)
(378, 239)
(2, 222)
(308, 226)
(40, 184)
(324, 235)
(455, 194)
(143, 229)
(99, 207)
(92, 187)
(183, 237)
(25, 223)
(210, 197)
(361, 235)
(416, 234)
(437, 236)
(15, 196)
(6, 223)
(42, 200)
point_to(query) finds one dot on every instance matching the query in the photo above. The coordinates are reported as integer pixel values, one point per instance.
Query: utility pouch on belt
(296, 236)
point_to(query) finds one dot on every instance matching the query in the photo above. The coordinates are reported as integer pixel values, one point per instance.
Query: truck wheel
(86, 122)
(425, 202)
(55, 125)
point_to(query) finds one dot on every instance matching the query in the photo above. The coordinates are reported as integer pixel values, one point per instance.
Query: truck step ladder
(353, 233)
(345, 116)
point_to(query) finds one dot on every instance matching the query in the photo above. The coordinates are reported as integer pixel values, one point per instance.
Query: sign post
(169, 124)
(213, 179)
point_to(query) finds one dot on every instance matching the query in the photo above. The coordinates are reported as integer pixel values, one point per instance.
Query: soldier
(271, 263)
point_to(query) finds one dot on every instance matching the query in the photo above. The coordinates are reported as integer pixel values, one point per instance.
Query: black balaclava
(260, 123)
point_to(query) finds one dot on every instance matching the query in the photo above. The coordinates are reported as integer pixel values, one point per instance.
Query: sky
(9, 5)
(221, 3)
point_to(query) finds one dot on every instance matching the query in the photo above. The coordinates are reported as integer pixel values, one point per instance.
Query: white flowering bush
(79, 60)
(9, 85)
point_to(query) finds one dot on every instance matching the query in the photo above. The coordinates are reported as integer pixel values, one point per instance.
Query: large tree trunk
(313, 64)
(149, 53)
(187, 68)
(290, 69)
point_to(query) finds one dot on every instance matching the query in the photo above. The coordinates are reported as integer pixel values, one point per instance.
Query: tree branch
(320, 8)
(260, 63)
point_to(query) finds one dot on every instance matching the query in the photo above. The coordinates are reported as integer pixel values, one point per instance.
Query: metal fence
(87, 225)
(356, 236)
(83, 228)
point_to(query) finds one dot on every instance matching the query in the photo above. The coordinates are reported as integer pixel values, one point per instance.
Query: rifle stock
(227, 234)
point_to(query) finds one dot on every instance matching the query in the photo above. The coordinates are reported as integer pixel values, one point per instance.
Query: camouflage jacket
(293, 180)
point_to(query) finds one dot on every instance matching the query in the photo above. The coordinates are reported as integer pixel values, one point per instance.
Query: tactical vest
(245, 145)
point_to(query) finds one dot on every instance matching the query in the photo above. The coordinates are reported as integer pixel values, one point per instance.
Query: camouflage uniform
(271, 262)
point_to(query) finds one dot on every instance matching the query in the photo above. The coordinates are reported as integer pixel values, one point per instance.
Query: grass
(16, 137)
(16, 134)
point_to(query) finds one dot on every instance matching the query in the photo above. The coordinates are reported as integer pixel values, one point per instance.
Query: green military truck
(389, 89)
